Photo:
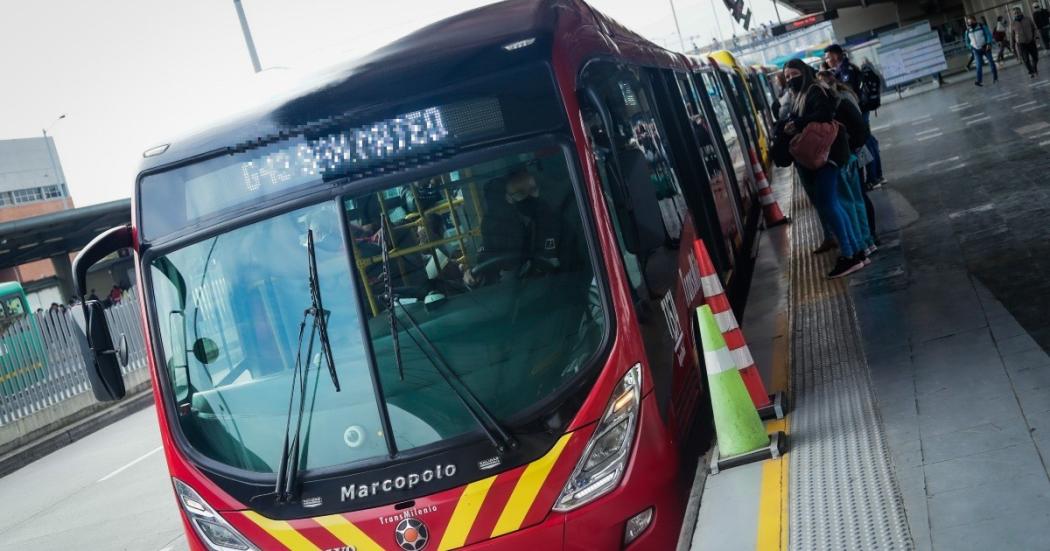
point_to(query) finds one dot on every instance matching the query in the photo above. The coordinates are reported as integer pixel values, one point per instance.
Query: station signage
(804, 22)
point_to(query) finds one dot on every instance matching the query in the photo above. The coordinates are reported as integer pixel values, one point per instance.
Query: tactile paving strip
(843, 491)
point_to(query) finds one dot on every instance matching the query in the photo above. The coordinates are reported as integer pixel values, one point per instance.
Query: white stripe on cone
(742, 357)
(726, 321)
(766, 200)
(718, 361)
(711, 285)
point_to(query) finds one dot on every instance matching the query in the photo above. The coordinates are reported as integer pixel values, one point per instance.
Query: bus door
(717, 164)
(700, 173)
(764, 105)
(650, 218)
(731, 140)
(742, 107)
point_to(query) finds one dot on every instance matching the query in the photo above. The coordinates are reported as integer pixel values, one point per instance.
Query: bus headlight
(213, 530)
(604, 461)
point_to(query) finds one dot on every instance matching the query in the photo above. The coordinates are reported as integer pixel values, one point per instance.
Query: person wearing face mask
(1023, 31)
(979, 40)
(519, 230)
(814, 103)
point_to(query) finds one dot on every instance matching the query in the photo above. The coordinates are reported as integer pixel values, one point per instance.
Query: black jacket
(1042, 18)
(820, 106)
(848, 113)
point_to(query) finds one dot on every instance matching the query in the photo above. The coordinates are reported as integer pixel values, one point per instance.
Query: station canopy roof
(814, 6)
(56, 233)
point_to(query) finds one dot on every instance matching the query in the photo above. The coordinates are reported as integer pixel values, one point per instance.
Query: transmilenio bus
(444, 298)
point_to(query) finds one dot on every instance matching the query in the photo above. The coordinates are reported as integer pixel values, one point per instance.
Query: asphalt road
(109, 491)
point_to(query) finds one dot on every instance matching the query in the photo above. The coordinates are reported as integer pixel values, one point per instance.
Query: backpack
(848, 114)
(870, 90)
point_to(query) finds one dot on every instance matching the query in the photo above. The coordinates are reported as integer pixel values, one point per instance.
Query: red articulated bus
(442, 299)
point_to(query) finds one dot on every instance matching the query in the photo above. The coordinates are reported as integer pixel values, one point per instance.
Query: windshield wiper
(499, 437)
(288, 469)
(317, 310)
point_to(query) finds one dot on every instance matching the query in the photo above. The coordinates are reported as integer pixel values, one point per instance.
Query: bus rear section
(459, 319)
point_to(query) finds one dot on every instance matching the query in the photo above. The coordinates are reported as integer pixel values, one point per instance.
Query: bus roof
(10, 287)
(455, 49)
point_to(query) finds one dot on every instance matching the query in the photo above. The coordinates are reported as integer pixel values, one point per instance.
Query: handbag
(811, 147)
(864, 156)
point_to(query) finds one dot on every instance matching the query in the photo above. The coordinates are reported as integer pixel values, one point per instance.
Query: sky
(131, 74)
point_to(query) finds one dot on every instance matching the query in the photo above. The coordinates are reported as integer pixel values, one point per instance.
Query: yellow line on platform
(773, 498)
(772, 501)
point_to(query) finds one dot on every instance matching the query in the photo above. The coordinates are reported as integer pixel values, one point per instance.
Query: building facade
(32, 183)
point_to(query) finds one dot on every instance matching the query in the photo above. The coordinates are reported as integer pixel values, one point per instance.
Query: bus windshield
(490, 273)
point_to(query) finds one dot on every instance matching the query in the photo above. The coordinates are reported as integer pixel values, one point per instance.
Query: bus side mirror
(107, 382)
(103, 367)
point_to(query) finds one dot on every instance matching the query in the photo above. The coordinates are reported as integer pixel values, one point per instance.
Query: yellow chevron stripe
(348, 533)
(282, 532)
(527, 488)
(465, 513)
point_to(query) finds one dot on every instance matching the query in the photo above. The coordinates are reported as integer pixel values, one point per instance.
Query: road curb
(58, 439)
(692, 508)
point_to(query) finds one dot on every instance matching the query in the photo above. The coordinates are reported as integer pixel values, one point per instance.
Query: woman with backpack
(817, 145)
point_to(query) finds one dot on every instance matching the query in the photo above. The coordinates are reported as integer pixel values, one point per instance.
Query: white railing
(43, 358)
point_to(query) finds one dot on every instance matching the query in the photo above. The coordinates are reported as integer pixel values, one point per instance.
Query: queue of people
(824, 131)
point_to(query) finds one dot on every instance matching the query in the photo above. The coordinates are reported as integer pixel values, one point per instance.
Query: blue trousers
(979, 56)
(826, 199)
(851, 196)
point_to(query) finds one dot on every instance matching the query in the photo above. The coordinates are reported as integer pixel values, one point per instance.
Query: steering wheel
(543, 265)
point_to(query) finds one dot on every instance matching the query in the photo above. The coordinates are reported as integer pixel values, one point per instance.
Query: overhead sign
(804, 22)
(910, 54)
(736, 9)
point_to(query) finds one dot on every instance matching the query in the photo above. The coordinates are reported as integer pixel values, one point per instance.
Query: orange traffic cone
(770, 208)
(768, 406)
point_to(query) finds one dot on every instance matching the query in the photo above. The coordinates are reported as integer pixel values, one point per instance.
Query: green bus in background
(23, 360)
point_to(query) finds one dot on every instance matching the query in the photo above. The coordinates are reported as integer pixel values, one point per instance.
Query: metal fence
(43, 357)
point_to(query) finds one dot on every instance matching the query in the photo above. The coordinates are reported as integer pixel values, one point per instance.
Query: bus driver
(520, 232)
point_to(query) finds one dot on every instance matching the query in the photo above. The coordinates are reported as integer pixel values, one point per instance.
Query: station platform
(919, 386)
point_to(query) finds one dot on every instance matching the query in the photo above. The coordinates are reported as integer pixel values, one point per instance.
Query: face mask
(527, 206)
(795, 83)
(1018, 17)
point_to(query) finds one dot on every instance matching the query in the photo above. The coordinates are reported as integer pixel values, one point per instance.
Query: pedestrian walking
(818, 159)
(999, 36)
(1023, 32)
(1041, 17)
(979, 40)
